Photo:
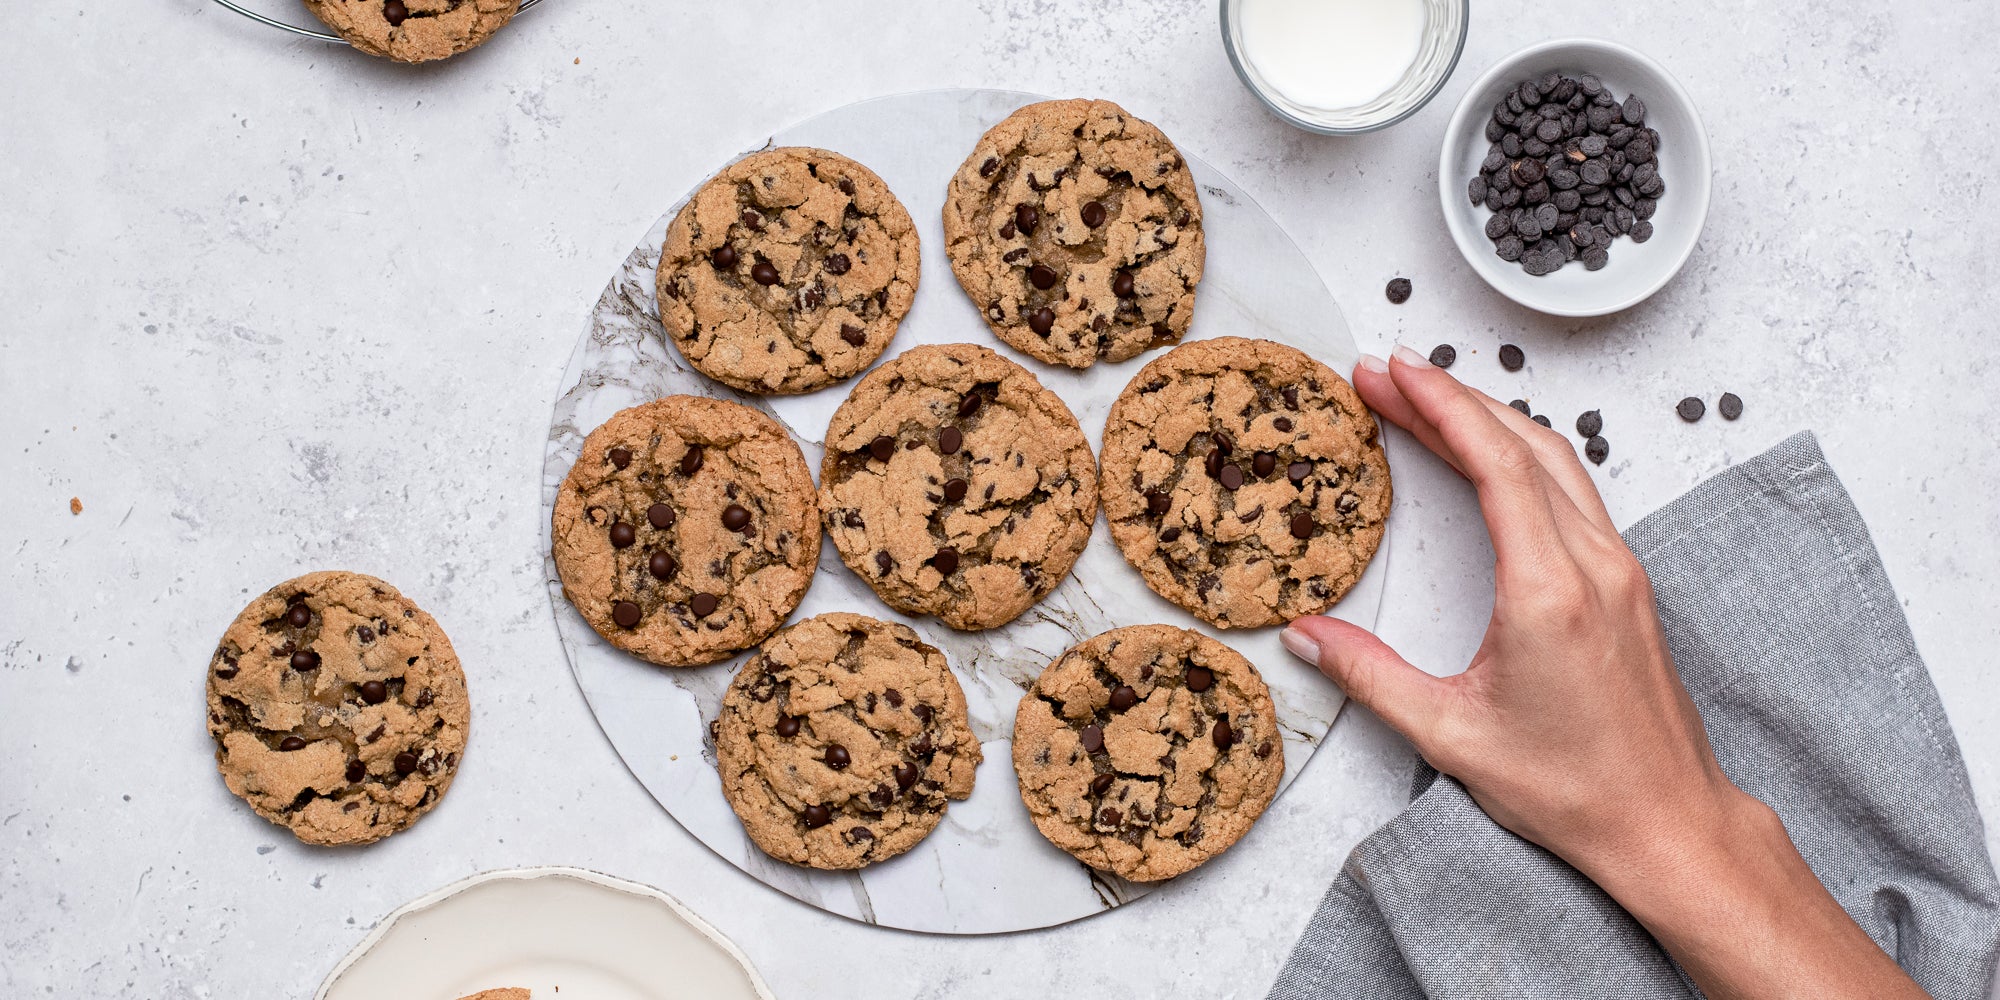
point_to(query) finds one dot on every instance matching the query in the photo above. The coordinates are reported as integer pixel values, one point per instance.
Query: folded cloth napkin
(1791, 641)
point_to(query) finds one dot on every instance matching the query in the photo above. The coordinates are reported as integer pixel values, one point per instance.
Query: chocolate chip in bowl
(1539, 170)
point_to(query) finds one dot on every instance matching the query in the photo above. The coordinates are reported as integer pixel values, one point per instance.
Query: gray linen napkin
(1791, 641)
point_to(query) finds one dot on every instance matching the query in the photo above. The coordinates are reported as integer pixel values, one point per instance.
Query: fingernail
(1374, 364)
(1300, 645)
(1409, 356)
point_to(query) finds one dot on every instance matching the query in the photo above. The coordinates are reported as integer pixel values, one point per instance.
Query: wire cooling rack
(307, 32)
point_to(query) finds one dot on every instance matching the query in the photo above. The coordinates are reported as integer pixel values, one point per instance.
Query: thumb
(1371, 673)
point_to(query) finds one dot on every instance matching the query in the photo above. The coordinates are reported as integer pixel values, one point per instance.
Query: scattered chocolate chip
(1520, 405)
(1597, 450)
(305, 660)
(1042, 321)
(949, 440)
(1398, 291)
(621, 457)
(1691, 409)
(394, 12)
(1541, 419)
(1512, 358)
(723, 258)
(1199, 678)
(1730, 406)
(763, 273)
(1443, 355)
(660, 515)
(661, 565)
(406, 762)
(1093, 738)
(623, 534)
(691, 460)
(735, 517)
(818, 816)
(625, 613)
(946, 560)
(703, 605)
(298, 616)
(374, 692)
(1123, 286)
(291, 743)
(1123, 697)
(1221, 735)
(836, 756)
(1589, 423)
(1302, 525)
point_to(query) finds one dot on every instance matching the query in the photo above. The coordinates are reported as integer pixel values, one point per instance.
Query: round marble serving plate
(986, 868)
(558, 932)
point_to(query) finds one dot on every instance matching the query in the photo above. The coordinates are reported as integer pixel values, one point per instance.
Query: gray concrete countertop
(273, 306)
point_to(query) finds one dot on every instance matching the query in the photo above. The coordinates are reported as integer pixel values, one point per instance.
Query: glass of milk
(1342, 67)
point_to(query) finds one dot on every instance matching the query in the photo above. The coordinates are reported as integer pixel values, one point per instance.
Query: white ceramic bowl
(1636, 270)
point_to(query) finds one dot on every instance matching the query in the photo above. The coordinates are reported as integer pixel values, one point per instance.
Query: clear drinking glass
(1443, 39)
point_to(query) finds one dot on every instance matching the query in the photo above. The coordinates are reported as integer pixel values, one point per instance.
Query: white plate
(591, 936)
(1636, 270)
(986, 868)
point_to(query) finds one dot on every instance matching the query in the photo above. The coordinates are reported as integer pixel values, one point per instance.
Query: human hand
(1571, 726)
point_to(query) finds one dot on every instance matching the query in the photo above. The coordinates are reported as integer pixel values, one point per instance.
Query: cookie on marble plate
(414, 31)
(687, 529)
(787, 272)
(1245, 480)
(1147, 750)
(1076, 230)
(843, 741)
(338, 708)
(957, 486)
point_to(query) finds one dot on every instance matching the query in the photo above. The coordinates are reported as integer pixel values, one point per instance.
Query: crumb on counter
(75, 505)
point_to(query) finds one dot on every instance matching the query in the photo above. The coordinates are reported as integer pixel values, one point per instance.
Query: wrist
(1723, 840)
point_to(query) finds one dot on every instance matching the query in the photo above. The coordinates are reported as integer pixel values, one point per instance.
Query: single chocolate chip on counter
(1597, 450)
(1730, 406)
(1123, 697)
(626, 614)
(661, 565)
(1520, 405)
(298, 616)
(949, 440)
(305, 660)
(623, 534)
(660, 515)
(1443, 355)
(374, 692)
(1512, 358)
(836, 756)
(1398, 291)
(1541, 419)
(1092, 738)
(1590, 423)
(735, 517)
(1691, 408)
(1302, 525)
(703, 605)
(1199, 679)
(818, 816)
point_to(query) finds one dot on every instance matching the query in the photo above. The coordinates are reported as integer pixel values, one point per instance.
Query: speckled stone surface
(284, 306)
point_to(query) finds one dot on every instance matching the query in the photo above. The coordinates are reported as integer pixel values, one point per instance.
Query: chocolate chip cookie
(503, 993)
(788, 271)
(842, 742)
(1147, 750)
(1245, 481)
(687, 529)
(957, 486)
(414, 31)
(337, 707)
(1076, 230)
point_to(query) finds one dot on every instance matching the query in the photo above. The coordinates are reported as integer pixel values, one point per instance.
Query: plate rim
(601, 880)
